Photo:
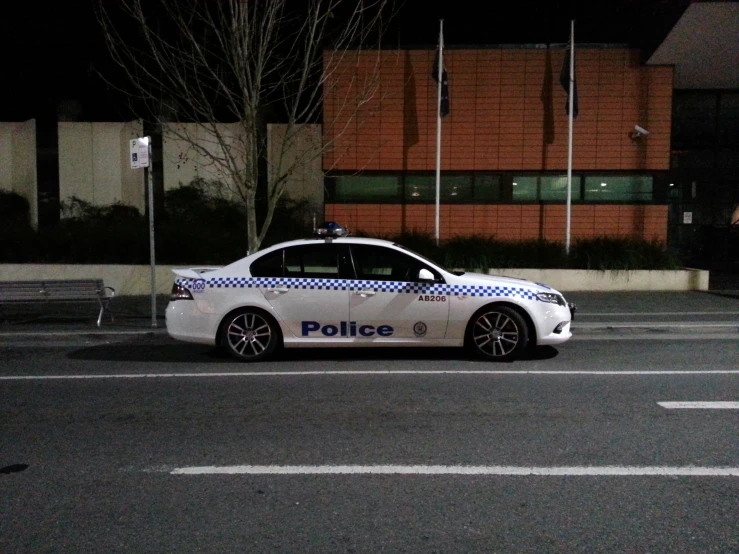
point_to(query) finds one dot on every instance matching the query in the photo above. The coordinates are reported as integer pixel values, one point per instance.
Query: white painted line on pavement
(732, 336)
(367, 372)
(657, 324)
(44, 334)
(576, 471)
(624, 314)
(700, 405)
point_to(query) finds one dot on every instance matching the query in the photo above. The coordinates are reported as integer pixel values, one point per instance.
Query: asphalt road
(141, 444)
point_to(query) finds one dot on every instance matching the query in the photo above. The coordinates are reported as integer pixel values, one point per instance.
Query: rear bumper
(186, 323)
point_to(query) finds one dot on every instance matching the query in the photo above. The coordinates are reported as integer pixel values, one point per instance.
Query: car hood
(487, 280)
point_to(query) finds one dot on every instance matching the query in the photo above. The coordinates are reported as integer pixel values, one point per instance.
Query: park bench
(47, 291)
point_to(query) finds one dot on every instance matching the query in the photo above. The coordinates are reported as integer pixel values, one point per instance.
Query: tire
(497, 333)
(249, 335)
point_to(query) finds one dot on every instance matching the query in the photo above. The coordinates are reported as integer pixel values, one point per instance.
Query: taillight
(180, 293)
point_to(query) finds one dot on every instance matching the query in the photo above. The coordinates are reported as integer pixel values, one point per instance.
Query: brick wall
(507, 111)
(505, 222)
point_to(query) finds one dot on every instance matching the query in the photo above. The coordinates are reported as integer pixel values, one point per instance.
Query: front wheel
(249, 336)
(498, 333)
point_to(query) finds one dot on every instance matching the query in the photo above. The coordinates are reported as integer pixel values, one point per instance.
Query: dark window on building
(694, 120)
(728, 122)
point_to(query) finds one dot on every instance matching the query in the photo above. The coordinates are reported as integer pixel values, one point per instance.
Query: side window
(319, 261)
(269, 265)
(376, 263)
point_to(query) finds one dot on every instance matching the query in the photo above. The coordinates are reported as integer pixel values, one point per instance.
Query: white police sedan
(340, 291)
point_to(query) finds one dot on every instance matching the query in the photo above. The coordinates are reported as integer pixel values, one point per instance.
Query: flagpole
(438, 125)
(569, 150)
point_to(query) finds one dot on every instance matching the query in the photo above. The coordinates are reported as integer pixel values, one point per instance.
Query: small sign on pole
(139, 148)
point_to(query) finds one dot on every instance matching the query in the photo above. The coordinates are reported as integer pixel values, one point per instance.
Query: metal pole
(150, 182)
(569, 153)
(438, 126)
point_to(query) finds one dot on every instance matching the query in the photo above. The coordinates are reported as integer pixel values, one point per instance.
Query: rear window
(269, 265)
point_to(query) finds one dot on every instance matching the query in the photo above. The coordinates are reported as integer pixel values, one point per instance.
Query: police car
(334, 290)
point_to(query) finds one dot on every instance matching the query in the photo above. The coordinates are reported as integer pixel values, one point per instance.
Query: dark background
(54, 50)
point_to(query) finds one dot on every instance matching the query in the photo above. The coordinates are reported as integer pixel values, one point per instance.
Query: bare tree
(222, 65)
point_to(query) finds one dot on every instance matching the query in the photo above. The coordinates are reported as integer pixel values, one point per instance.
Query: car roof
(318, 240)
(245, 262)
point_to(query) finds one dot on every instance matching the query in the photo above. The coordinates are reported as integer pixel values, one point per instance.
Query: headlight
(180, 293)
(551, 298)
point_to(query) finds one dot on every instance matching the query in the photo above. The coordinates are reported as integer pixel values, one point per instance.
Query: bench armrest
(105, 295)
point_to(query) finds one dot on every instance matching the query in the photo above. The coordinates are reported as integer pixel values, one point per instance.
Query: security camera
(639, 132)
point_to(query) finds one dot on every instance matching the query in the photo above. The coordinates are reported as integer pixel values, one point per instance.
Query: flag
(564, 79)
(444, 106)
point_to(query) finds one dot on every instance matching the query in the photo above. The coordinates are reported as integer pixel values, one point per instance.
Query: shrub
(115, 234)
(480, 253)
(18, 242)
(199, 225)
(627, 253)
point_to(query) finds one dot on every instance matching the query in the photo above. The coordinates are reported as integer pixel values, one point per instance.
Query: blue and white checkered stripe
(357, 285)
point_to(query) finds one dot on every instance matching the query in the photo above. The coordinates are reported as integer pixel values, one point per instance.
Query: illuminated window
(618, 188)
(546, 188)
(367, 189)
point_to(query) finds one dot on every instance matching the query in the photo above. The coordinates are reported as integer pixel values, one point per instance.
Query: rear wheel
(249, 335)
(498, 333)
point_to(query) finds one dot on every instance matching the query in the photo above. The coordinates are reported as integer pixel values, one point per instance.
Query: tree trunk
(251, 218)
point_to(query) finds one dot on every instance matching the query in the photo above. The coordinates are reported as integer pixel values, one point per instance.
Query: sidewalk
(597, 312)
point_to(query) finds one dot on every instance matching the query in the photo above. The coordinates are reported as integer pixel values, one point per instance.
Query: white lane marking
(614, 334)
(368, 372)
(700, 405)
(657, 324)
(36, 334)
(691, 471)
(623, 314)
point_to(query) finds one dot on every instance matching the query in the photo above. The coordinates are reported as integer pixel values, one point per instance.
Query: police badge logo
(419, 329)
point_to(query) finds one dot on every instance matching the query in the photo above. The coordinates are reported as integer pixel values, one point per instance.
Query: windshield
(429, 260)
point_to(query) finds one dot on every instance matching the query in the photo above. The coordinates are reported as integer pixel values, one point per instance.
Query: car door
(307, 287)
(389, 301)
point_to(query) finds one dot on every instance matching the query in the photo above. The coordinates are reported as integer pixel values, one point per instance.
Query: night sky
(53, 48)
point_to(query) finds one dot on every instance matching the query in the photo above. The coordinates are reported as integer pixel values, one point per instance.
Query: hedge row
(198, 227)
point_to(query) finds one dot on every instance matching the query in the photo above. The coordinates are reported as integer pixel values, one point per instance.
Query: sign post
(141, 157)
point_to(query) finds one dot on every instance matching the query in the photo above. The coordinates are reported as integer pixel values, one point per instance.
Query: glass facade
(544, 188)
(618, 188)
(486, 188)
(413, 188)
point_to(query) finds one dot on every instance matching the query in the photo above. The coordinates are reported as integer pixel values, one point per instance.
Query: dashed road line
(574, 471)
(718, 405)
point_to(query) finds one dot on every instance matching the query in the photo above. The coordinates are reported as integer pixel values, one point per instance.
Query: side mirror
(425, 275)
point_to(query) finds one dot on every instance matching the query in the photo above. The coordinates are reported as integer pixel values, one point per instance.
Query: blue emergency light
(330, 230)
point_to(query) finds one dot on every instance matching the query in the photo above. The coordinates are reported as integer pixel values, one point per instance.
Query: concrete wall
(136, 279)
(297, 150)
(94, 163)
(182, 162)
(18, 162)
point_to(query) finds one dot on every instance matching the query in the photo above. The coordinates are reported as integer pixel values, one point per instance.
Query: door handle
(365, 293)
(278, 290)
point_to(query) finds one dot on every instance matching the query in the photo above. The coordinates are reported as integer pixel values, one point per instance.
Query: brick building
(504, 144)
